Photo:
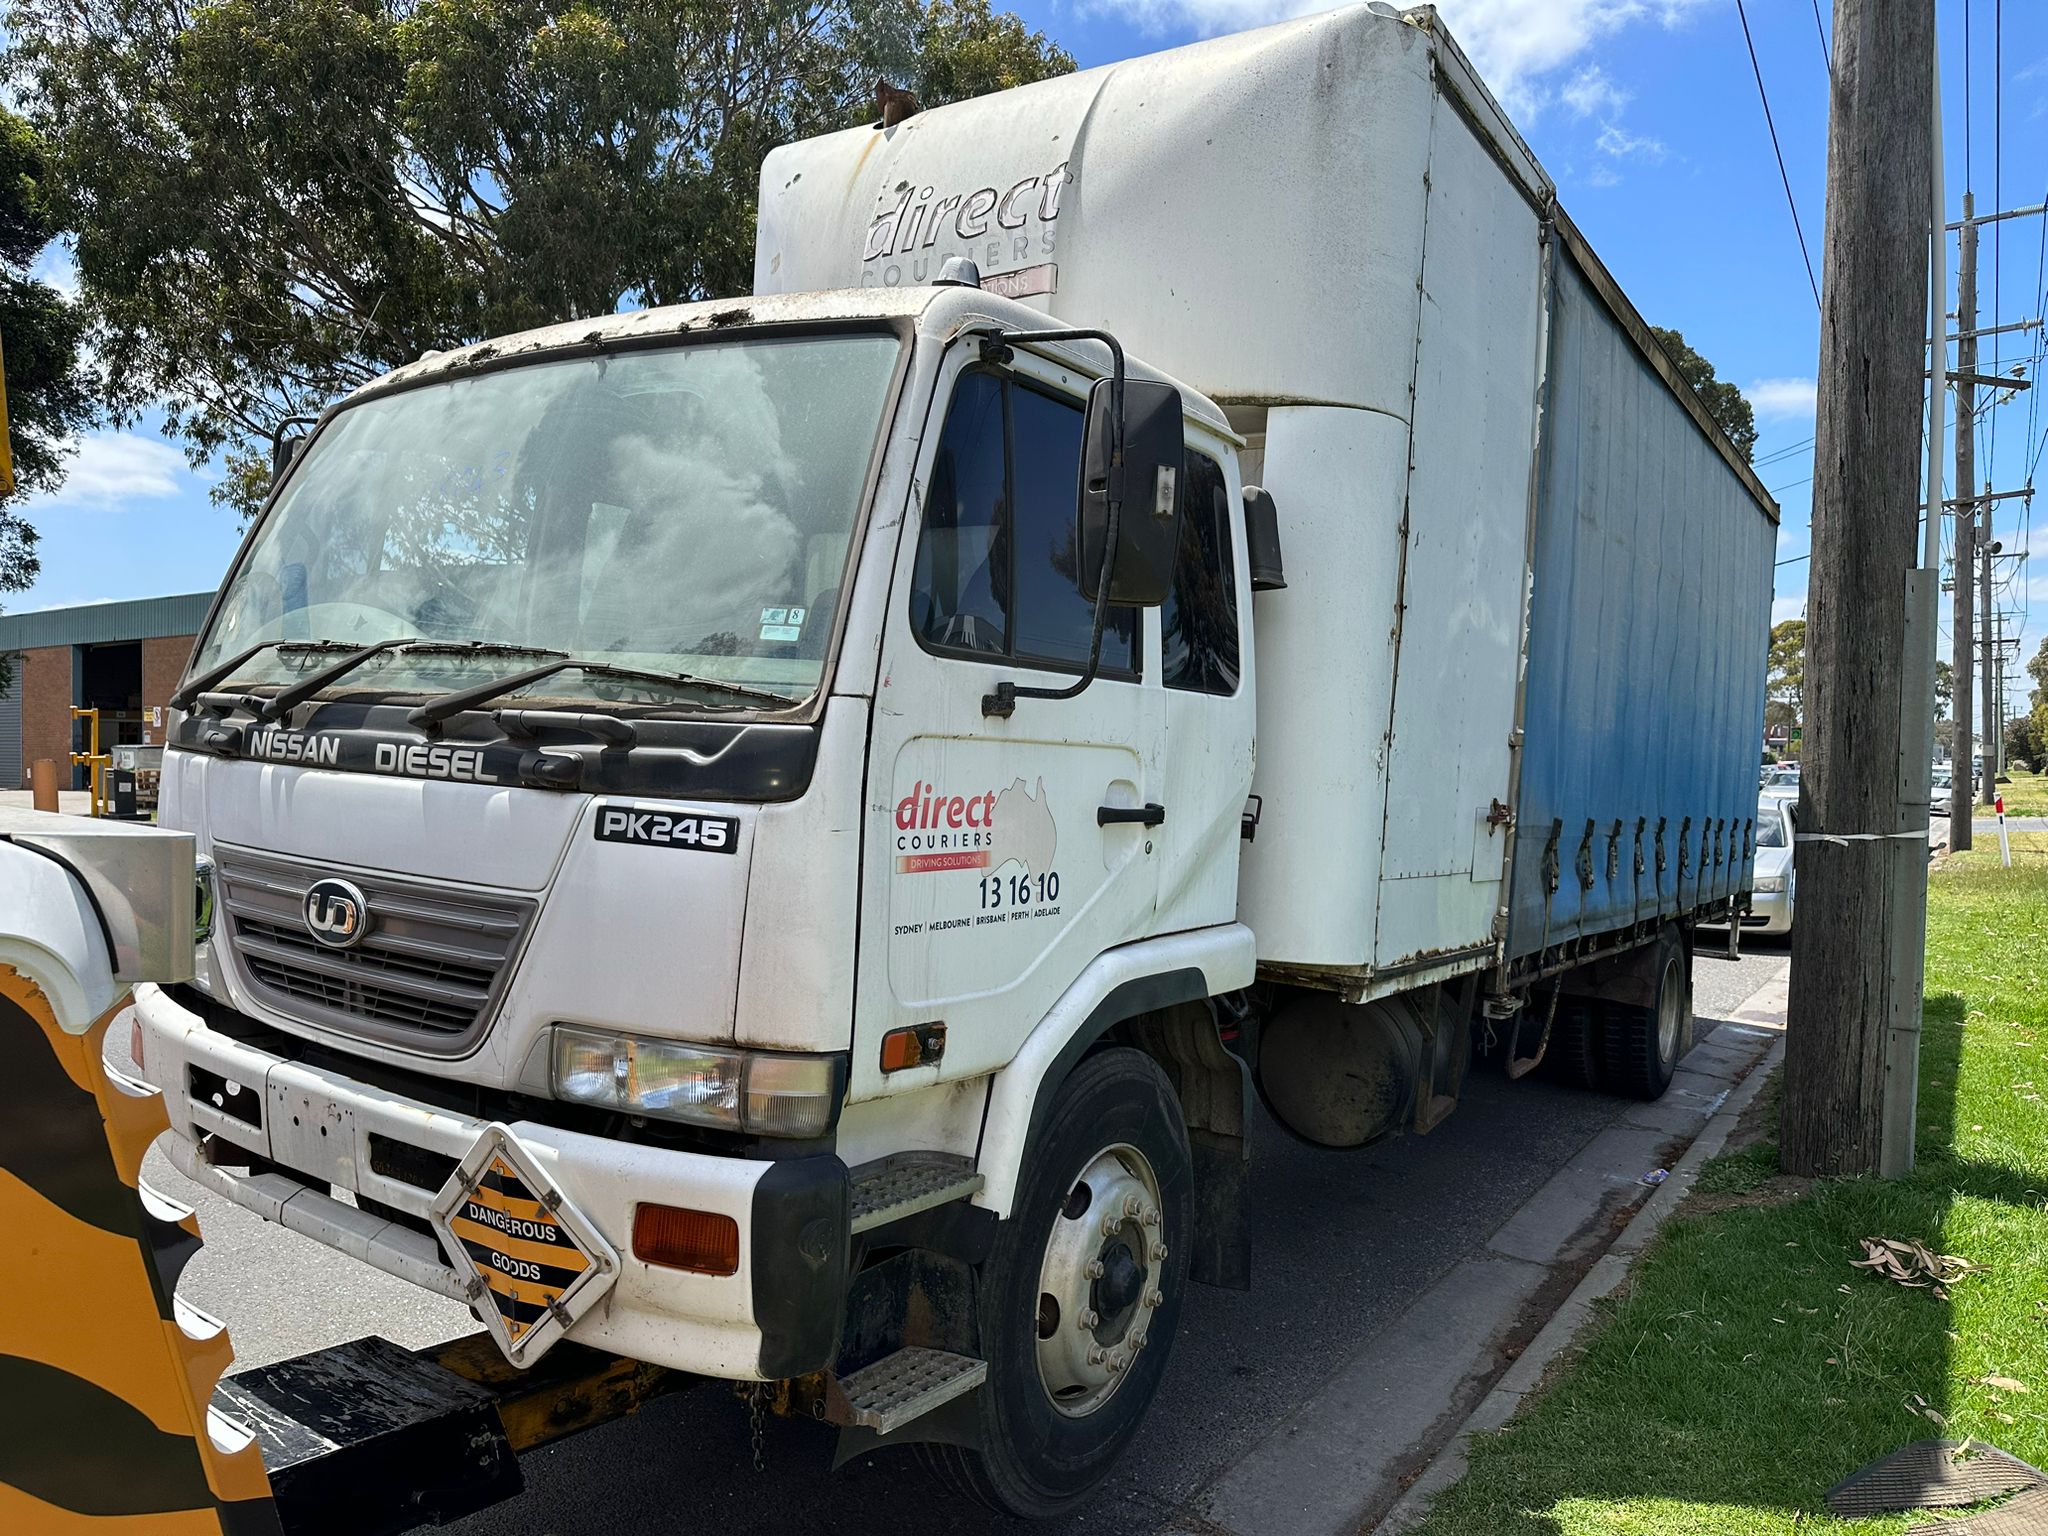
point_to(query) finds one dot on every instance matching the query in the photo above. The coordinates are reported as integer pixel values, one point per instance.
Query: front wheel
(1081, 1296)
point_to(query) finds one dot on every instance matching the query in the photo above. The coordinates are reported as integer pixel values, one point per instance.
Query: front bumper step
(906, 1183)
(908, 1385)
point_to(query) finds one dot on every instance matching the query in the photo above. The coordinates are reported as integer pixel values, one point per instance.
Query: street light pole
(1850, 1054)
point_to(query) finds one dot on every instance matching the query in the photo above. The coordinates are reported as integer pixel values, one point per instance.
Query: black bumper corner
(802, 1232)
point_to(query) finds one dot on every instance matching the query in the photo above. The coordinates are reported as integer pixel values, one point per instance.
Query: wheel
(1079, 1301)
(1573, 1056)
(1642, 1045)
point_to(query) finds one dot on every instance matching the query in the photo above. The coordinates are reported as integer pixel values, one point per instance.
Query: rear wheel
(1081, 1297)
(1642, 1044)
(1573, 1055)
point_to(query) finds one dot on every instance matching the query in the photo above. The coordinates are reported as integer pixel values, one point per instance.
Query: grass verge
(2026, 795)
(1749, 1367)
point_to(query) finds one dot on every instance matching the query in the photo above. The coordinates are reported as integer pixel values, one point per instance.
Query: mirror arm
(995, 349)
(277, 438)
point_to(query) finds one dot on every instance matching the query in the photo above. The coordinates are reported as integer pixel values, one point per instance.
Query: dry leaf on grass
(1912, 1264)
(1918, 1404)
(2004, 1383)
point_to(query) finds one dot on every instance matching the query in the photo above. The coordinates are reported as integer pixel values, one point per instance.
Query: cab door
(991, 874)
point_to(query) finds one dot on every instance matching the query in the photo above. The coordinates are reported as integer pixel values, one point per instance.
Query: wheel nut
(1158, 1253)
(1151, 1218)
(1154, 1298)
(1109, 1226)
(1088, 1320)
(1095, 1356)
(1137, 1342)
(1095, 1269)
(1133, 1205)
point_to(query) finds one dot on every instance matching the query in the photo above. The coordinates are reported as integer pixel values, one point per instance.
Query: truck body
(643, 877)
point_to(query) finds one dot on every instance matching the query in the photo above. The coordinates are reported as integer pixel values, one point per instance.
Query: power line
(1782, 453)
(1819, 31)
(1765, 97)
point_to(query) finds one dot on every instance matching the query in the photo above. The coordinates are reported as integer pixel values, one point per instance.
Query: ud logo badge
(337, 913)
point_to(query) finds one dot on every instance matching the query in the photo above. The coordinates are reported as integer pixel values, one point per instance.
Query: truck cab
(609, 820)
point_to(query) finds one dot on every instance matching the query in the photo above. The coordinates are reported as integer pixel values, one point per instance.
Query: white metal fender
(1225, 957)
(87, 906)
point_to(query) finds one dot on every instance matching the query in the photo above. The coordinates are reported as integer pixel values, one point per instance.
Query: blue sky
(1645, 111)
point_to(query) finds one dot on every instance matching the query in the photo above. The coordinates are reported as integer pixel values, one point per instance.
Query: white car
(1770, 907)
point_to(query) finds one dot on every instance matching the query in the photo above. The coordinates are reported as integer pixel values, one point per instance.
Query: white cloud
(1618, 143)
(56, 267)
(1793, 607)
(1514, 42)
(1591, 93)
(111, 468)
(1782, 397)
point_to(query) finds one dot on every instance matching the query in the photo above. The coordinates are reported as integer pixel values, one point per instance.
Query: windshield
(1770, 825)
(682, 510)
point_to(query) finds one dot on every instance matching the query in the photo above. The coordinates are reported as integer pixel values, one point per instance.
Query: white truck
(781, 837)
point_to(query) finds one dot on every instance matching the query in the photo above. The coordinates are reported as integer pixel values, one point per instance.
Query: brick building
(123, 658)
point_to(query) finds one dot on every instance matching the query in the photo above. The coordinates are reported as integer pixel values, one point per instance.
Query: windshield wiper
(434, 711)
(184, 697)
(285, 700)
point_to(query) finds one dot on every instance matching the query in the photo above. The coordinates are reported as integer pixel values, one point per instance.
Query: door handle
(1142, 815)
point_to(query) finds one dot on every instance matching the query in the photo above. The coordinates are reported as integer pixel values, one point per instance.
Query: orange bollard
(42, 780)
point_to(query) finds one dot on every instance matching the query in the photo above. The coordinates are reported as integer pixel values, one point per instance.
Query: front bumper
(777, 1316)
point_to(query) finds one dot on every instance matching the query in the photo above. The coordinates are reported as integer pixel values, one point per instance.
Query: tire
(1642, 1045)
(1573, 1056)
(1038, 1457)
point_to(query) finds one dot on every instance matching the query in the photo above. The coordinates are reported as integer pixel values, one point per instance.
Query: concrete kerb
(1764, 1008)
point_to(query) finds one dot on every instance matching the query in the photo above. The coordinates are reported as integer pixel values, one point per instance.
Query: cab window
(995, 572)
(1198, 625)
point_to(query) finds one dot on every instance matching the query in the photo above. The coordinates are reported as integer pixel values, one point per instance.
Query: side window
(1198, 625)
(995, 557)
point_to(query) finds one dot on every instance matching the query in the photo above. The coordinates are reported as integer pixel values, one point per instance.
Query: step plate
(907, 1385)
(907, 1183)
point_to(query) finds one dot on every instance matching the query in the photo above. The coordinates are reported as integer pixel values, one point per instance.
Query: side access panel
(1458, 657)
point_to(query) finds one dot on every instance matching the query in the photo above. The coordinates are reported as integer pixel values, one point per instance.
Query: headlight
(736, 1090)
(1769, 885)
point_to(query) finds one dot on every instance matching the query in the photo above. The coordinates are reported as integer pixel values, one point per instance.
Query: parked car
(1770, 905)
(1783, 777)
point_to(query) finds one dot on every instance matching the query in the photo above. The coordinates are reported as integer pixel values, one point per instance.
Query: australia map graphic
(1023, 830)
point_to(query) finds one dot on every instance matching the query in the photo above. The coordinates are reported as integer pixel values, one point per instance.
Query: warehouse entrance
(109, 680)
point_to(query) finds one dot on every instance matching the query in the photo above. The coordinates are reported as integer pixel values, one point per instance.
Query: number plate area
(534, 1264)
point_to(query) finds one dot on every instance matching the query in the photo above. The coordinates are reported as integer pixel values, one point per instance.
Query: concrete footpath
(1387, 1432)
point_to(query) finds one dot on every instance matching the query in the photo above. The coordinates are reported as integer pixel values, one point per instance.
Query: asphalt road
(1342, 1243)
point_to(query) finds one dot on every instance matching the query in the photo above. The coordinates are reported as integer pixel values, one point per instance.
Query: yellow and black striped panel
(103, 1394)
(525, 1257)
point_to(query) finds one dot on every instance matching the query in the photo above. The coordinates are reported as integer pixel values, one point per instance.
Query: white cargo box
(1329, 227)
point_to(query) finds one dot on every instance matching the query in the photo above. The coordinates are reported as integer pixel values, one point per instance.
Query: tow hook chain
(757, 1395)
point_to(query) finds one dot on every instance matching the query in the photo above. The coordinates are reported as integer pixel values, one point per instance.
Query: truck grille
(426, 974)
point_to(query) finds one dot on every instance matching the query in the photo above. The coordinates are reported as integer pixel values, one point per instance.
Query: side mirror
(283, 449)
(1147, 484)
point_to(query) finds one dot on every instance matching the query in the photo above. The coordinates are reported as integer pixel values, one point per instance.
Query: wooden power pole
(1963, 695)
(1862, 843)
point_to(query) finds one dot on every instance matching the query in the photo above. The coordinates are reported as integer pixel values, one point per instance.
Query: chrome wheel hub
(1100, 1284)
(1670, 1007)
